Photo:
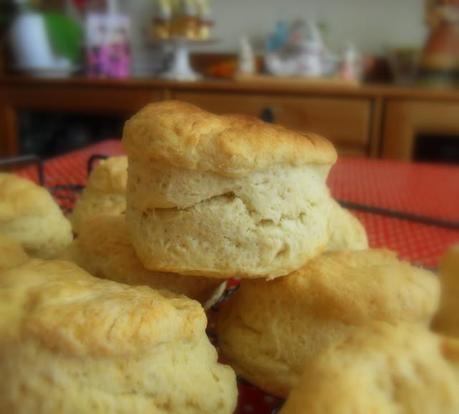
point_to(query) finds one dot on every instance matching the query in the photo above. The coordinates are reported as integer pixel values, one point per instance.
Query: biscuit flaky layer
(182, 135)
(265, 224)
(269, 329)
(381, 370)
(70, 342)
(29, 215)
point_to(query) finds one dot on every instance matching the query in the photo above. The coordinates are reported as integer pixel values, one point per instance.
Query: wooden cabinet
(405, 119)
(87, 98)
(65, 96)
(371, 120)
(345, 121)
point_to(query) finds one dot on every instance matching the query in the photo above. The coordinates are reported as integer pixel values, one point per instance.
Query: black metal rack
(64, 194)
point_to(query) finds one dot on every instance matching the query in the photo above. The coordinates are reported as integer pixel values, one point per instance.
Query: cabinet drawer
(404, 120)
(344, 121)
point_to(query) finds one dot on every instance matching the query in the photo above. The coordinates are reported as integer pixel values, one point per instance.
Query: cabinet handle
(267, 115)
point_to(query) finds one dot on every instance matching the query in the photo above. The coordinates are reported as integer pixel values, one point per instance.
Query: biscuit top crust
(68, 311)
(185, 136)
(353, 286)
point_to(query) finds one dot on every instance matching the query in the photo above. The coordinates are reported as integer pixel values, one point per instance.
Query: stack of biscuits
(114, 320)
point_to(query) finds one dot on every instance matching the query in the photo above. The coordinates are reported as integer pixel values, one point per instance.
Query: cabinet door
(345, 121)
(406, 119)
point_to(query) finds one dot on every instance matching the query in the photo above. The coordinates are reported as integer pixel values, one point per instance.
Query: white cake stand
(180, 68)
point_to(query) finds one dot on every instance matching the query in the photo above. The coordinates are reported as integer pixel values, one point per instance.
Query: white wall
(371, 24)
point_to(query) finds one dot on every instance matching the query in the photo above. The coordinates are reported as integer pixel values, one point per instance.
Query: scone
(105, 192)
(382, 370)
(269, 329)
(73, 343)
(447, 319)
(346, 231)
(224, 195)
(104, 250)
(11, 253)
(29, 215)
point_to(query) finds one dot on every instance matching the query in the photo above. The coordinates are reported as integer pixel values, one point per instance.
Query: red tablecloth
(423, 189)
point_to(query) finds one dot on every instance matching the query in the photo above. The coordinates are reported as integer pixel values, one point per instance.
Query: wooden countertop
(241, 86)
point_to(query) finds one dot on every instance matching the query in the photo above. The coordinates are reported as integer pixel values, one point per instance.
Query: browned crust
(185, 136)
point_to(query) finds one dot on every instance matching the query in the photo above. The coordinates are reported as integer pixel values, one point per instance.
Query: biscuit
(73, 343)
(446, 321)
(269, 329)
(107, 253)
(221, 196)
(381, 370)
(11, 253)
(29, 215)
(105, 192)
(346, 231)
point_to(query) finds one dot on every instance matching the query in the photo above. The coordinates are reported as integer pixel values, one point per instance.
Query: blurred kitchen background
(378, 78)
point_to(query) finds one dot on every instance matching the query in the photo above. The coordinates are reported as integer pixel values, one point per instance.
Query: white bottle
(351, 66)
(246, 63)
(29, 41)
(310, 61)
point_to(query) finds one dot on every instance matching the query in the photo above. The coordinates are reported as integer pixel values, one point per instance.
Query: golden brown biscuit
(447, 319)
(346, 231)
(381, 370)
(105, 192)
(73, 343)
(11, 253)
(29, 215)
(185, 136)
(268, 330)
(104, 250)
(224, 196)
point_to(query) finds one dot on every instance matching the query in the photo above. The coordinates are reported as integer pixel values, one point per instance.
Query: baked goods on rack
(103, 249)
(70, 342)
(30, 216)
(269, 329)
(224, 196)
(105, 191)
(384, 369)
(209, 197)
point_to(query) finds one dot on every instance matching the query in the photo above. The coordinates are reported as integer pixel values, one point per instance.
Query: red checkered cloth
(420, 189)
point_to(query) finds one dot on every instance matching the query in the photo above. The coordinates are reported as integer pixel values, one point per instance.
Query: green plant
(65, 35)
